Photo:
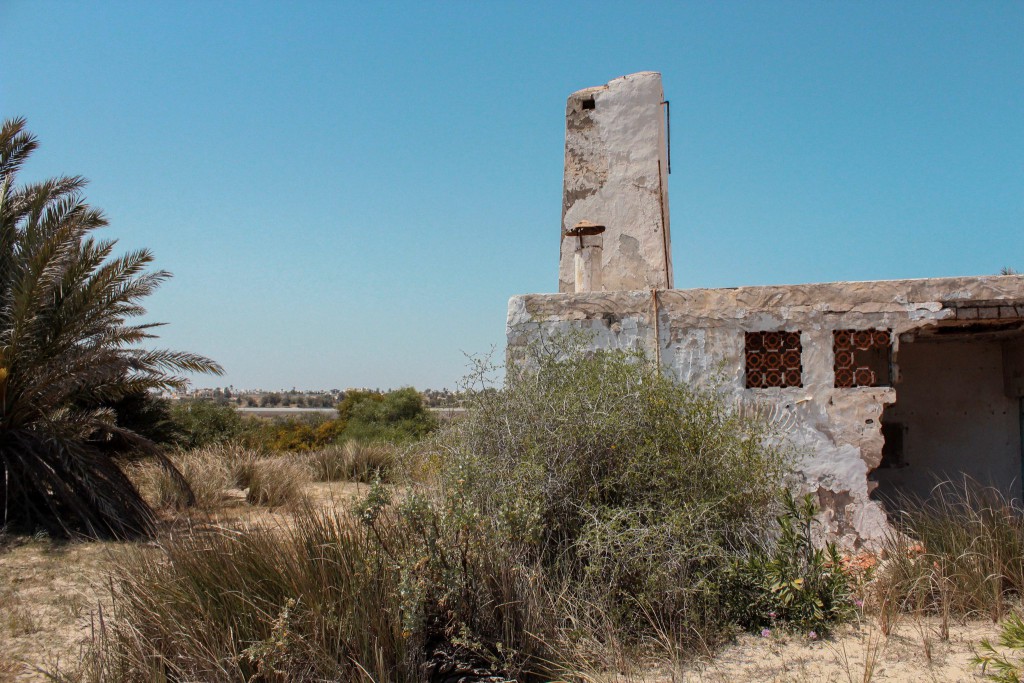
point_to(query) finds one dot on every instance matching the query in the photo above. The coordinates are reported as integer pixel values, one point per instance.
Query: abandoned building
(885, 387)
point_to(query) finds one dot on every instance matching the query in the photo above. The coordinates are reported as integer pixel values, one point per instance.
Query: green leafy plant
(205, 423)
(793, 584)
(997, 665)
(593, 476)
(396, 416)
(68, 354)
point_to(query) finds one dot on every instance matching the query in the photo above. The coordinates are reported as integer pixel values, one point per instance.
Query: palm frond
(68, 354)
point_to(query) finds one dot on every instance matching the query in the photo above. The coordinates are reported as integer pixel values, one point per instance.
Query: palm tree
(67, 353)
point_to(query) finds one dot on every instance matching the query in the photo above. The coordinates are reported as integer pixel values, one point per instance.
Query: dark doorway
(957, 412)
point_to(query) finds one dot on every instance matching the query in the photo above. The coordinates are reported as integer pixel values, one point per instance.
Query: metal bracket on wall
(668, 134)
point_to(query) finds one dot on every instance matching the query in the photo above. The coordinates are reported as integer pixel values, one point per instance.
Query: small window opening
(589, 103)
(892, 449)
(773, 359)
(862, 358)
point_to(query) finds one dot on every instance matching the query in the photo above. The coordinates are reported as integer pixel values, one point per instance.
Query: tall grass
(353, 461)
(318, 600)
(277, 481)
(958, 552)
(205, 470)
(587, 510)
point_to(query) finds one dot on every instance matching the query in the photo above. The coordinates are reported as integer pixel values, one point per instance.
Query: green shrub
(398, 416)
(794, 584)
(998, 666)
(203, 423)
(276, 482)
(592, 470)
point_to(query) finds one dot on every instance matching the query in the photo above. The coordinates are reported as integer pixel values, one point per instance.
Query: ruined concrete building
(884, 386)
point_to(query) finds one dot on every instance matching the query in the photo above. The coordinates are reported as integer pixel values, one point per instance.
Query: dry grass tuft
(312, 601)
(353, 461)
(277, 482)
(958, 553)
(206, 473)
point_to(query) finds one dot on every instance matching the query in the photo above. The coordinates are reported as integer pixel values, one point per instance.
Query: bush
(296, 433)
(961, 551)
(276, 482)
(203, 423)
(998, 666)
(353, 462)
(205, 471)
(398, 416)
(794, 584)
(588, 508)
(629, 493)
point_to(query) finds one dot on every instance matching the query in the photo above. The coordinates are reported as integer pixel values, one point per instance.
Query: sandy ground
(912, 652)
(50, 598)
(52, 595)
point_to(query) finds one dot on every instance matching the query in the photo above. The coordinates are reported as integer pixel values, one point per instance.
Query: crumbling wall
(698, 336)
(616, 175)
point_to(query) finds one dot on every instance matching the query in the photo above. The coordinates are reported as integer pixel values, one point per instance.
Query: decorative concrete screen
(773, 359)
(862, 358)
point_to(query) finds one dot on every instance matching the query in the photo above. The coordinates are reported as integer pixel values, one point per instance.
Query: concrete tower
(616, 176)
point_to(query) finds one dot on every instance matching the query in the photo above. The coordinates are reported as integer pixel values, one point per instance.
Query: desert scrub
(315, 600)
(278, 481)
(598, 477)
(205, 470)
(793, 584)
(960, 552)
(353, 461)
(585, 509)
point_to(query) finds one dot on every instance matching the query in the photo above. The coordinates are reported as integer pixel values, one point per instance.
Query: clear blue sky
(348, 193)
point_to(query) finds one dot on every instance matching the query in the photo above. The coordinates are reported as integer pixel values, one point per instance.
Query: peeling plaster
(838, 431)
(613, 153)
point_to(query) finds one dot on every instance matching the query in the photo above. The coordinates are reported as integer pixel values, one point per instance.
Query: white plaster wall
(699, 338)
(613, 154)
